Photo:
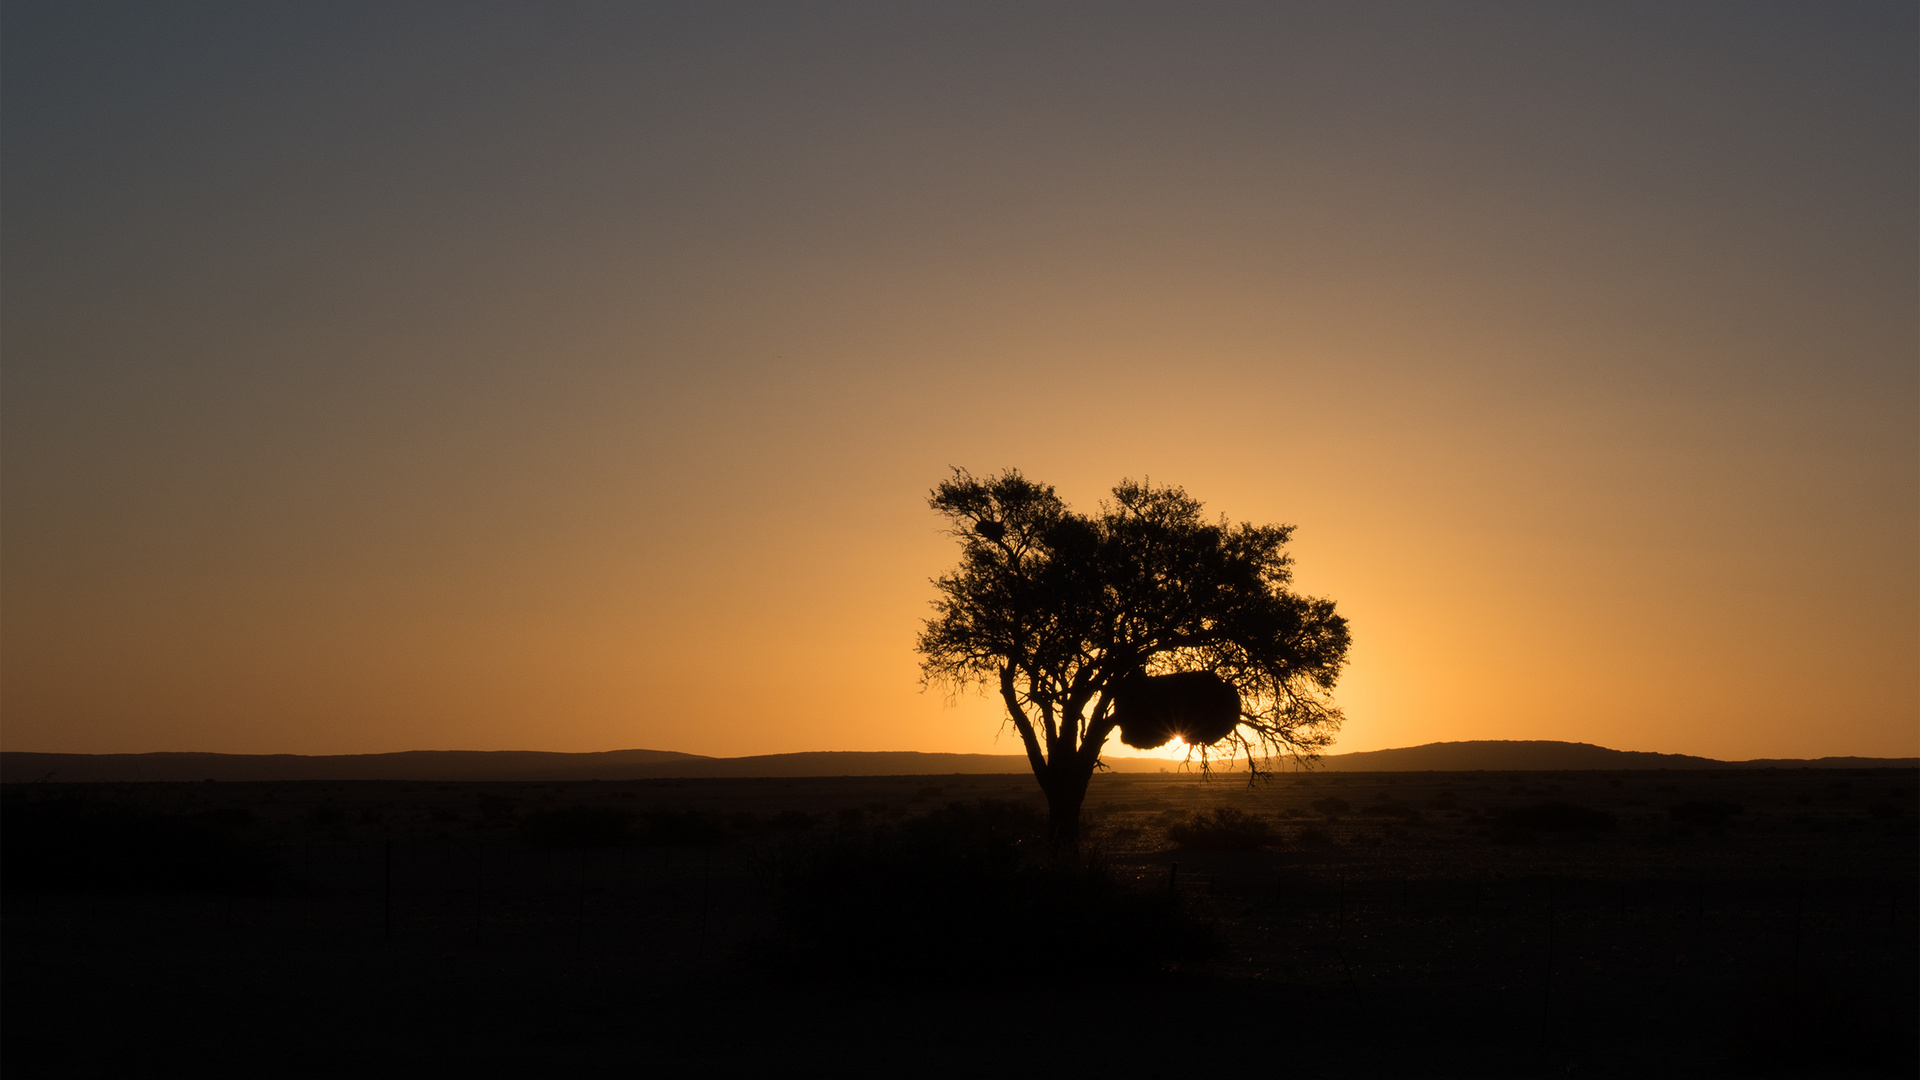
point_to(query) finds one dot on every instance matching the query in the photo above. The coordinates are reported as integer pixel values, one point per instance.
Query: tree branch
(1021, 723)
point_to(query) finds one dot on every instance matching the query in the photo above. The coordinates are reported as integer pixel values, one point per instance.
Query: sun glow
(1174, 750)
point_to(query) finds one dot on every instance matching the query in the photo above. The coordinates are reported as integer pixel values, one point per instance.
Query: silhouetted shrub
(1332, 807)
(965, 893)
(1224, 829)
(1555, 817)
(74, 843)
(1701, 812)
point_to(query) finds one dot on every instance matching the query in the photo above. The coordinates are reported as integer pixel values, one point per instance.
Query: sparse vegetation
(1222, 829)
(1313, 836)
(881, 920)
(1400, 811)
(966, 893)
(1331, 807)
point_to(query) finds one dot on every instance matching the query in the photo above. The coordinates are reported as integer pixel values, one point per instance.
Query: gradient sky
(572, 376)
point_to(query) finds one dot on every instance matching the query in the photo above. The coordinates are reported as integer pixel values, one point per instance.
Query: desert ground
(1752, 922)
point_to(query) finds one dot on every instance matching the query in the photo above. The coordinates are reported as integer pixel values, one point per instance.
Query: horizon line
(1225, 763)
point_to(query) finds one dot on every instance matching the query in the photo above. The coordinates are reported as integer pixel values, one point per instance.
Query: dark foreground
(1463, 924)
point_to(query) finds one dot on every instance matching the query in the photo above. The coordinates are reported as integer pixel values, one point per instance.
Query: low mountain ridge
(1530, 755)
(537, 765)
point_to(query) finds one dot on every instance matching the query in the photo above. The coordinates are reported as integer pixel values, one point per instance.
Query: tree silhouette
(1077, 619)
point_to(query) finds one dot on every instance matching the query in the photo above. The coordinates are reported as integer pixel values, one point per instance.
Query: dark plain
(1387, 924)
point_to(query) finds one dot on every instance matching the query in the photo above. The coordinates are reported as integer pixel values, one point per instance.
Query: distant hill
(18, 767)
(475, 765)
(1544, 756)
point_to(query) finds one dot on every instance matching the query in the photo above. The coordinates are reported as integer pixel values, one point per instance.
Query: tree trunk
(1064, 797)
(1063, 823)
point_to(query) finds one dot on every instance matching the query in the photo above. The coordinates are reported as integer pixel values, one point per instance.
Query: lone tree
(1143, 617)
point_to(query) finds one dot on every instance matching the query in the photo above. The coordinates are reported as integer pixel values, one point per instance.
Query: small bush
(1224, 829)
(1332, 807)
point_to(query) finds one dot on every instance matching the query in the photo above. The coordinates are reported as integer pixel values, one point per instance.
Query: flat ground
(1704, 923)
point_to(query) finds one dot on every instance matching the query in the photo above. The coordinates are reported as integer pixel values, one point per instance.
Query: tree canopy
(1057, 611)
